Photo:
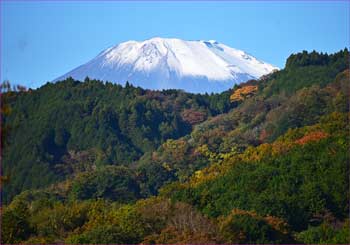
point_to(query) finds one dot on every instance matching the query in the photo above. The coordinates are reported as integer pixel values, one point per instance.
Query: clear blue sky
(43, 40)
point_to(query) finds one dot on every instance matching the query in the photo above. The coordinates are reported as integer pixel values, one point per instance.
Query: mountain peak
(162, 63)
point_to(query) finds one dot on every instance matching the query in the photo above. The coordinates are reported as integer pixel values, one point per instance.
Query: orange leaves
(243, 93)
(277, 223)
(313, 136)
(263, 135)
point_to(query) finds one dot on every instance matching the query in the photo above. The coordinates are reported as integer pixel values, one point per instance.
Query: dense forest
(70, 127)
(265, 162)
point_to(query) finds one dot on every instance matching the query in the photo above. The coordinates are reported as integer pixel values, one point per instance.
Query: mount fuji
(164, 63)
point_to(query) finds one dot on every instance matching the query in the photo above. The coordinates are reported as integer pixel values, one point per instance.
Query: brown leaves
(192, 116)
(182, 224)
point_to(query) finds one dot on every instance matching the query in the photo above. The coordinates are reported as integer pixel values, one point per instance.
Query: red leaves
(313, 136)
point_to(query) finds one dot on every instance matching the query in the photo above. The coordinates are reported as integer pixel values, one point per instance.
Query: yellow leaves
(174, 144)
(243, 93)
(221, 163)
(218, 168)
(203, 150)
(198, 174)
(213, 156)
(263, 151)
(166, 166)
(205, 175)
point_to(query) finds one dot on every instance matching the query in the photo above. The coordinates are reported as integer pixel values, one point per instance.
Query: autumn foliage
(192, 116)
(313, 136)
(242, 93)
(98, 163)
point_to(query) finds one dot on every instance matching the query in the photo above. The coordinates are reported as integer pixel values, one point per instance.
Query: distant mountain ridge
(169, 63)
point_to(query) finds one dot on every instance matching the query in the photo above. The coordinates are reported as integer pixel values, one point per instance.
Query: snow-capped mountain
(162, 63)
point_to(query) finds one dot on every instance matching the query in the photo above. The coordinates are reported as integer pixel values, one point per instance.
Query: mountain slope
(290, 98)
(271, 168)
(160, 63)
(58, 126)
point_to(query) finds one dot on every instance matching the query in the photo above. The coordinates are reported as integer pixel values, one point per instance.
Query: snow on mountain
(162, 63)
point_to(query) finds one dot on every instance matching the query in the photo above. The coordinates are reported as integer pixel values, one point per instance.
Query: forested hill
(106, 123)
(266, 162)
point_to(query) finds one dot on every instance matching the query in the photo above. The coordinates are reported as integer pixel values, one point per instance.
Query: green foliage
(251, 124)
(117, 124)
(306, 69)
(271, 170)
(15, 225)
(316, 59)
(111, 182)
(121, 225)
(152, 176)
(325, 234)
(54, 222)
(246, 228)
(295, 184)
